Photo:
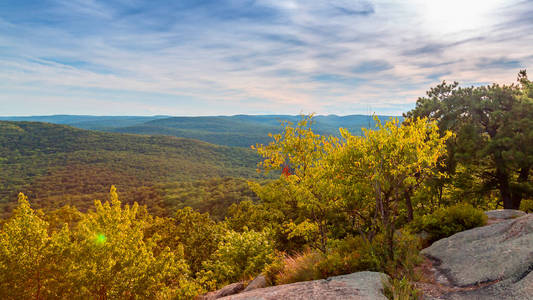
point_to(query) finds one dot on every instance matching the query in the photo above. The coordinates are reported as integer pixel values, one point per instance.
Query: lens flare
(100, 239)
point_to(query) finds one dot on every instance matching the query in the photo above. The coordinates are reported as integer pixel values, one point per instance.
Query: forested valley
(180, 217)
(59, 165)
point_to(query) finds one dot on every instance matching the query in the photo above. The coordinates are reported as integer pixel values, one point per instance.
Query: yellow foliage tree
(384, 164)
(112, 259)
(31, 261)
(106, 256)
(306, 182)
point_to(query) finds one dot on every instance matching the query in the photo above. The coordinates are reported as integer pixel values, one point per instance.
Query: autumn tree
(32, 261)
(112, 258)
(381, 167)
(306, 193)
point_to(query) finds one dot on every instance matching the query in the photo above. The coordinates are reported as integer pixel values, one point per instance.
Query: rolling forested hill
(160, 161)
(227, 131)
(238, 130)
(88, 122)
(56, 165)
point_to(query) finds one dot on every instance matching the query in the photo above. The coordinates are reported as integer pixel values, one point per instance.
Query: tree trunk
(505, 191)
(38, 294)
(518, 194)
(409, 205)
(390, 238)
(323, 236)
(388, 226)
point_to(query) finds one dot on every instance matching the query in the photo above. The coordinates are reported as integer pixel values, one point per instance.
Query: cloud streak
(231, 56)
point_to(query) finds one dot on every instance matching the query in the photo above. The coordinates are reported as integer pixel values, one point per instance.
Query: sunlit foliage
(32, 261)
(308, 187)
(105, 256)
(332, 205)
(240, 255)
(386, 165)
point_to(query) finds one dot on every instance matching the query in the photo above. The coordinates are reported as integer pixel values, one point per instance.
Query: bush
(240, 255)
(272, 270)
(401, 289)
(353, 254)
(338, 263)
(526, 205)
(374, 254)
(445, 222)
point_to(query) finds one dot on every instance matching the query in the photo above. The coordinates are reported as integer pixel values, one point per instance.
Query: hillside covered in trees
(335, 204)
(58, 165)
(239, 130)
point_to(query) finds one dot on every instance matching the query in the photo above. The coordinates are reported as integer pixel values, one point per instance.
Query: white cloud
(299, 57)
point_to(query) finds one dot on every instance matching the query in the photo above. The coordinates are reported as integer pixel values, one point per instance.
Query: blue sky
(225, 57)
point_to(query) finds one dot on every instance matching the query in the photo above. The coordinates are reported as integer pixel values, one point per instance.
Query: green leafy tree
(198, 234)
(494, 134)
(190, 234)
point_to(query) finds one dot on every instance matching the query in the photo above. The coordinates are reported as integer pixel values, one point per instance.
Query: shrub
(445, 222)
(401, 289)
(353, 254)
(240, 255)
(272, 270)
(337, 263)
(526, 205)
(374, 254)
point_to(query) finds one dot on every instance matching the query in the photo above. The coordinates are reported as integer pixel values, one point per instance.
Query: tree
(112, 259)
(198, 234)
(384, 165)
(494, 133)
(31, 261)
(306, 191)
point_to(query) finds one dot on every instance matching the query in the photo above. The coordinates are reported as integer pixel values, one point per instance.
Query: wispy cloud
(243, 56)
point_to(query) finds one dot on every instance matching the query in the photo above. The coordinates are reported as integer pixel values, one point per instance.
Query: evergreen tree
(494, 133)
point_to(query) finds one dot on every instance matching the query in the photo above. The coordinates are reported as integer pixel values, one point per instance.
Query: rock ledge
(357, 286)
(490, 262)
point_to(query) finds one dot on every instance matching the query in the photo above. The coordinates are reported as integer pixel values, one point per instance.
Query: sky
(226, 57)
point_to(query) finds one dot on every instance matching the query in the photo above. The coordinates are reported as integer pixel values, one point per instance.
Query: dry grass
(299, 267)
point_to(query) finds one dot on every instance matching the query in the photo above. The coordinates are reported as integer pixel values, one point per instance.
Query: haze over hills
(238, 130)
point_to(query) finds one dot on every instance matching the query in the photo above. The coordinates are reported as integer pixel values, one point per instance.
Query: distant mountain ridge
(87, 121)
(237, 130)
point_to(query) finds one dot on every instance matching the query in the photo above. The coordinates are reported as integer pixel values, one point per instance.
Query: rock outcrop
(498, 215)
(258, 282)
(231, 289)
(357, 286)
(494, 262)
(490, 262)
